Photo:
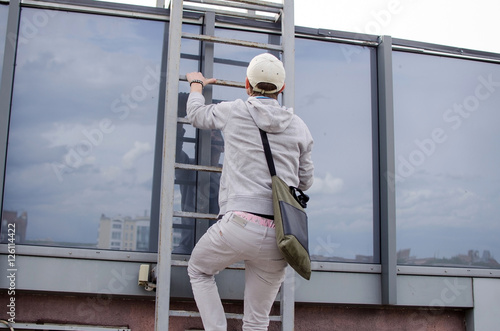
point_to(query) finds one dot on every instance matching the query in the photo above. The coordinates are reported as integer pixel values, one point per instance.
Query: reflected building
(20, 224)
(124, 233)
(472, 258)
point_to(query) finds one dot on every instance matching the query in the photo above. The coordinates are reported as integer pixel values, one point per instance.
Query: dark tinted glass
(333, 94)
(447, 161)
(82, 130)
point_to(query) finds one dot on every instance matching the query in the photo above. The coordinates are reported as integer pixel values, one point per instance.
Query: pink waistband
(255, 219)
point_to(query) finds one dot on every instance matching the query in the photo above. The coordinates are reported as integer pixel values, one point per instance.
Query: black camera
(300, 196)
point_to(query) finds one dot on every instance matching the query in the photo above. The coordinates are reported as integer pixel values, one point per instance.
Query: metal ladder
(282, 11)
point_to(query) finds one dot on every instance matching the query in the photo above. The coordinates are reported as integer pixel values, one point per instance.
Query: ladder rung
(197, 167)
(184, 313)
(262, 3)
(194, 215)
(184, 263)
(183, 120)
(232, 41)
(221, 82)
(240, 5)
(271, 17)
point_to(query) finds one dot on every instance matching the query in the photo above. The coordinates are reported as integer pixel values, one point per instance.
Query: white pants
(230, 240)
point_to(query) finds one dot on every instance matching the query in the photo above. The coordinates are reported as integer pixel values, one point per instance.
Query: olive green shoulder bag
(290, 219)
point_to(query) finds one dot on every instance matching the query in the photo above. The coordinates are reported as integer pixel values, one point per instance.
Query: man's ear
(248, 87)
(282, 89)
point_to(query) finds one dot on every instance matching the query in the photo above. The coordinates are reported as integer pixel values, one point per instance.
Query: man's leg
(210, 255)
(263, 278)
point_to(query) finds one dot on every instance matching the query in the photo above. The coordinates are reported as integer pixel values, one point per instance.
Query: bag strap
(267, 151)
(300, 196)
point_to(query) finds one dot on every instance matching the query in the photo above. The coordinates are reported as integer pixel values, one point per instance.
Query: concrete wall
(138, 315)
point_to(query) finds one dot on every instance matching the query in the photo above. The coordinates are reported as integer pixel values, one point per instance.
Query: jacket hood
(269, 115)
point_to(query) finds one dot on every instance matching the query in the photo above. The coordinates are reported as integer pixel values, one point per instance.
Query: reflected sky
(447, 161)
(83, 122)
(333, 86)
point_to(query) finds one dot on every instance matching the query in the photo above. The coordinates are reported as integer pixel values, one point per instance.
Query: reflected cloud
(135, 153)
(326, 185)
(446, 138)
(83, 122)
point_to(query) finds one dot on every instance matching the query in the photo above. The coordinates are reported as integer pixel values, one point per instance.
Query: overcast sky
(460, 23)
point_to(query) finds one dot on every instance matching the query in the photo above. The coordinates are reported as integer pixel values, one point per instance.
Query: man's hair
(266, 87)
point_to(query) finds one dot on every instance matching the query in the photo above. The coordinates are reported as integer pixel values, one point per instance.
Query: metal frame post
(375, 158)
(287, 304)
(158, 157)
(7, 83)
(388, 256)
(288, 44)
(167, 175)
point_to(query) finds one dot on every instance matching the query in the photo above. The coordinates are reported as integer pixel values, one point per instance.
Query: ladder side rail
(162, 305)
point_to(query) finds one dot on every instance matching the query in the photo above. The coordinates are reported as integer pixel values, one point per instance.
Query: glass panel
(4, 9)
(190, 51)
(184, 233)
(231, 61)
(183, 236)
(446, 143)
(196, 191)
(82, 131)
(333, 86)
